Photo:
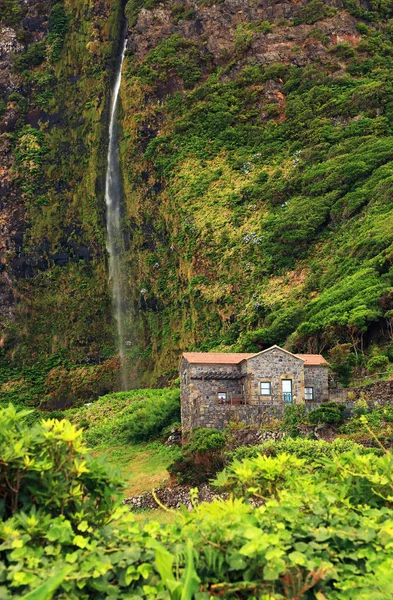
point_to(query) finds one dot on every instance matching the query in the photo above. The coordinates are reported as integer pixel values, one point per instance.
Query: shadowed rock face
(215, 26)
(32, 27)
(52, 149)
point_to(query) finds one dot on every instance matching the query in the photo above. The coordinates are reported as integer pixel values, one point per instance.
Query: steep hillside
(56, 68)
(257, 155)
(257, 161)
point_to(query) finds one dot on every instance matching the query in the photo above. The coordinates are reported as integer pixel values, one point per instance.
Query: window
(309, 393)
(287, 390)
(266, 388)
(185, 377)
(222, 396)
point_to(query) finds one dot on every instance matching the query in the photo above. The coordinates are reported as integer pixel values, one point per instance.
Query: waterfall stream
(113, 189)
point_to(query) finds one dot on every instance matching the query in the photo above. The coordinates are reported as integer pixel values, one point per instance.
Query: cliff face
(56, 69)
(257, 161)
(56, 66)
(257, 157)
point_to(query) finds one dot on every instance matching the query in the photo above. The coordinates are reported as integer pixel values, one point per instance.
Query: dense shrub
(313, 11)
(62, 523)
(329, 412)
(294, 416)
(11, 12)
(313, 451)
(379, 420)
(377, 363)
(321, 532)
(46, 465)
(202, 456)
(133, 416)
(32, 57)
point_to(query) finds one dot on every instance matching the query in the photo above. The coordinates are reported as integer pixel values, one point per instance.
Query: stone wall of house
(317, 378)
(274, 366)
(201, 384)
(221, 415)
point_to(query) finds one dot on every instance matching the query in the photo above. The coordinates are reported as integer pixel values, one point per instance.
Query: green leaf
(297, 558)
(164, 562)
(80, 541)
(47, 589)
(190, 577)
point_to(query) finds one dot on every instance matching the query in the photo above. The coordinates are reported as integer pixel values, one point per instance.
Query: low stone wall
(220, 415)
(377, 394)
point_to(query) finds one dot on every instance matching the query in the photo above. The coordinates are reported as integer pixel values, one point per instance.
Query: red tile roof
(312, 359)
(215, 358)
(234, 358)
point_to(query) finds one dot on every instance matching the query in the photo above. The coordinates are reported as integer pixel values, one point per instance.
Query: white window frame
(225, 399)
(306, 392)
(263, 393)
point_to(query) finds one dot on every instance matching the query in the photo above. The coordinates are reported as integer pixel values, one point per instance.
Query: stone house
(216, 388)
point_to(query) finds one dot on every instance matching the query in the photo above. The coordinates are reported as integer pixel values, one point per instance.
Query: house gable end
(269, 350)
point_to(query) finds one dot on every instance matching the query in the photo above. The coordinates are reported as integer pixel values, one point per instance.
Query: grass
(161, 516)
(143, 466)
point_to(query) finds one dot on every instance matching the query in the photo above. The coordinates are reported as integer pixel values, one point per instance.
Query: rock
(175, 437)
(173, 497)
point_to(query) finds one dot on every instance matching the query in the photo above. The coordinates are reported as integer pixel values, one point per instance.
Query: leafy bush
(361, 407)
(11, 12)
(313, 11)
(378, 420)
(133, 416)
(329, 412)
(202, 456)
(322, 531)
(377, 363)
(32, 57)
(294, 416)
(63, 526)
(47, 465)
(313, 451)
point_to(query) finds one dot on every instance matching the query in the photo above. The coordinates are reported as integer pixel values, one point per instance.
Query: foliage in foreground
(313, 451)
(323, 532)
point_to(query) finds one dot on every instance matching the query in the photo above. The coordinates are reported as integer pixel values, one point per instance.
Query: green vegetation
(321, 530)
(128, 417)
(265, 194)
(124, 429)
(143, 466)
(202, 456)
(258, 198)
(330, 412)
(313, 451)
(54, 381)
(376, 423)
(57, 174)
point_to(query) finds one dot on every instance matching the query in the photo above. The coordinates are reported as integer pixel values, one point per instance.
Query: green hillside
(256, 154)
(261, 191)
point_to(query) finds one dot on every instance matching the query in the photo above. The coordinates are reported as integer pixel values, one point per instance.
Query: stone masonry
(217, 388)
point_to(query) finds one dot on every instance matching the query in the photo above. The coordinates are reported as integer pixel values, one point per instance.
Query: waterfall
(113, 188)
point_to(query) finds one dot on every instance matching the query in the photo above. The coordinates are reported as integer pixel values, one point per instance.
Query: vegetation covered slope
(257, 156)
(56, 68)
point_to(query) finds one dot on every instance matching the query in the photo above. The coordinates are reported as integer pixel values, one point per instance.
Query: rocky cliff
(56, 69)
(256, 151)
(257, 161)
